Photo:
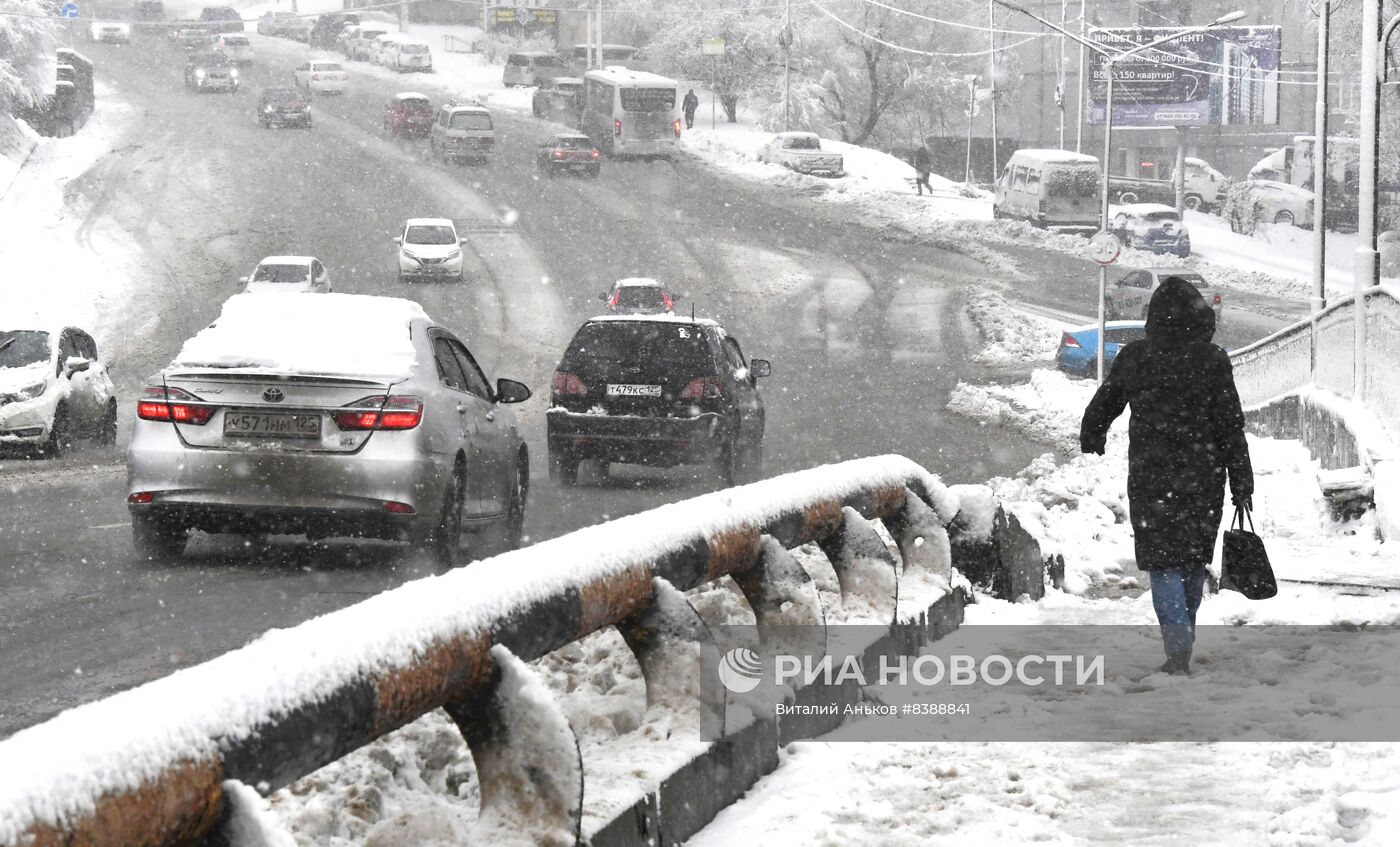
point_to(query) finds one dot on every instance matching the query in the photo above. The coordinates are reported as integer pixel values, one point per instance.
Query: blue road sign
(70, 10)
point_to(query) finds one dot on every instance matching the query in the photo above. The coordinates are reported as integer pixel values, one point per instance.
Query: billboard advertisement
(1228, 75)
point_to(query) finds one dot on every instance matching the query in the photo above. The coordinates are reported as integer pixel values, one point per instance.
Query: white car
(410, 56)
(359, 46)
(322, 77)
(288, 275)
(112, 32)
(802, 152)
(429, 247)
(53, 388)
(380, 48)
(1278, 202)
(236, 46)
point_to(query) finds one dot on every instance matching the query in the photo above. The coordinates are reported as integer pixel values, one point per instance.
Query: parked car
(1078, 353)
(236, 46)
(149, 16)
(1049, 188)
(193, 39)
(656, 390)
(321, 77)
(408, 113)
(802, 152)
(359, 46)
(560, 98)
(639, 296)
(344, 37)
(288, 275)
(569, 152)
(210, 71)
(532, 68)
(379, 48)
(221, 19)
(1128, 298)
(283, 105)
(275, 23)
(429, 247)
(1271, 201)
(110, 32)
(300, 29)
(462, 132)
(407, 55)
(1152, 226)
(1204, 187)
(325, 32)
(344, 415)
(53, 389)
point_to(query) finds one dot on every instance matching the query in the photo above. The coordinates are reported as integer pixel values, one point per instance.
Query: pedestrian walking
(1185, 436)
(689, 105)
(923, 165)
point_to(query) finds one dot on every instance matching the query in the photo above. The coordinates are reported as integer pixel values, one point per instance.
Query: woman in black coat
(1185, 436)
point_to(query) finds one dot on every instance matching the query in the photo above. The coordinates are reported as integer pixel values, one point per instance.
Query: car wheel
(1128, 197)
(1284, 217)
(107, 433)
(404, 278)
(563, 467)
(156, 540)
(446, 537)
(60, 435)
(1194, 202)
(519, 496)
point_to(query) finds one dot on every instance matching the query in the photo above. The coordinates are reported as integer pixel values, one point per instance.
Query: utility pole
(1319, 233)
(599, 32)
(1366, 269)
(1060, 73)
(1179, 174)
(785, 40)
(992, 58)
(1079, 93)
(971, 112)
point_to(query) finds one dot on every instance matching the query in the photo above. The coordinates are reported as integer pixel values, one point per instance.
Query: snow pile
(1047, 409)
(17, 141)
(345, 334)
(1009, 335)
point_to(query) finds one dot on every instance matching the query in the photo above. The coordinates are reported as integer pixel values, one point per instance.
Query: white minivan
(1049, 188)
(532, 68)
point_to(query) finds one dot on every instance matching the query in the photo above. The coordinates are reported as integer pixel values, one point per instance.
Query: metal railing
(457, 44)
(1282, 363)
(149, 765)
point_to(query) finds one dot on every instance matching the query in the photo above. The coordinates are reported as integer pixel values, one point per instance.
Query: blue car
(1079, 347)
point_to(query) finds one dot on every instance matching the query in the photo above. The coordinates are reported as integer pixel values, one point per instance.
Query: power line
(900, 47)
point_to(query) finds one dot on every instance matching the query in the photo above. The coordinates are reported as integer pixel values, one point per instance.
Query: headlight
(28, 392)
(268, 108)
(199, 73)
(408, 254)
(233, 72)
(455, 254)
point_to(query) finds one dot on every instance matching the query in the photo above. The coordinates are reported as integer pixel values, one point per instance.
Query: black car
(283, 105)
(221, 19)
(656, 390)
(327, 28)
(569, 151)
(210, 71)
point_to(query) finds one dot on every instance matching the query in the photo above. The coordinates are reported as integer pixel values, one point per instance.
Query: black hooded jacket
(1186, 433)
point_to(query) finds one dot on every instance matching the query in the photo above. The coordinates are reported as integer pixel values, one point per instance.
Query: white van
(406, 55)
(532, 68)
(1049, 188)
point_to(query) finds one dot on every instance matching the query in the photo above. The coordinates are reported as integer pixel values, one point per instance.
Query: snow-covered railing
(1280, 363)
(168, 762)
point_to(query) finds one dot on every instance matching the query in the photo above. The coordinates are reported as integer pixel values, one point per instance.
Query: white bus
(631, 113)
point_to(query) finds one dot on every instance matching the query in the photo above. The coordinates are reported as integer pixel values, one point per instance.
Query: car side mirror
(760, 368)
(603, 296)
(398, 240)
(461, 241)
(510, 391)
(76, 364)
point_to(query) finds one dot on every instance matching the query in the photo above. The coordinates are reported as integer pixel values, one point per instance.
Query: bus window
(648, 99)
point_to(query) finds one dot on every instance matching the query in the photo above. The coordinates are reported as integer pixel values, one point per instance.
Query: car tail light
(702, 388)
(666, 298)
(159, 403)
(676, 126)
(1216, 299)
(596, 154)
(558, 154)
(617, 127)
(569, 384)
(394, 412)
(141, 498)
(1068, 340)
(397, 508)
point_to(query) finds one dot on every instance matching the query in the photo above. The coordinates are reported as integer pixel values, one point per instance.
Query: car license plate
(280, 426)
(622, 390)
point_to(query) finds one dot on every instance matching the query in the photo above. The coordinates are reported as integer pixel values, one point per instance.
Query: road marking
(110, 525)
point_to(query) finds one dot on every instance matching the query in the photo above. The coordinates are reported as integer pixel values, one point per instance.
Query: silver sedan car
(326, 415)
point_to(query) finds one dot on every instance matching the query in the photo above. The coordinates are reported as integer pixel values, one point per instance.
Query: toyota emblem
(273, 395)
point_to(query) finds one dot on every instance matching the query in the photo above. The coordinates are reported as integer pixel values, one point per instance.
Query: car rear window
(413, 49)
(802, 142)
(640, 297)
(19, 348)
(659, 346)
(573, 143)
(281, 273)
(1162, 216)
(284, 96)
(325, 66)
(471, 120)
(1123, 335)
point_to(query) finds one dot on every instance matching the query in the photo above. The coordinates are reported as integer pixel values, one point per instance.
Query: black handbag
(1244, 564)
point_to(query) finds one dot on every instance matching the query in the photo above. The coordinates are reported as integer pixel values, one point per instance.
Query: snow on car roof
(637, 281)
(429, 222)
(1062, 156)
(570, 80)
(798, 135)
(660, 317)
(320, 334)
(287, 260)
(1145, 208)
(410, 95)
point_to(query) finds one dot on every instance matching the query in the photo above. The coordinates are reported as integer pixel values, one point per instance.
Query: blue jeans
(1176, 595)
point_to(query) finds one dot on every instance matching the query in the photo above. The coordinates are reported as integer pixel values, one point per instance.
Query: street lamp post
(1110, 60)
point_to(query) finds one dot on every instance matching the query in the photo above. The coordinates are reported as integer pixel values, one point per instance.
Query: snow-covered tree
(28, 35)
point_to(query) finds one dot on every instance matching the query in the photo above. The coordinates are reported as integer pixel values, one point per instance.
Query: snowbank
(17, 141)
(1009, 335)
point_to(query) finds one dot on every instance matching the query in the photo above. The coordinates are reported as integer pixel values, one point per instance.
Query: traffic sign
(1105, 247)
(69, 10)
(712, 47)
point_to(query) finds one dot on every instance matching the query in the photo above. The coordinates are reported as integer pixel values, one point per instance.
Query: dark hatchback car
(656, 390)
(210, 71)
(408, 113)
(569, 151)
(283, 106)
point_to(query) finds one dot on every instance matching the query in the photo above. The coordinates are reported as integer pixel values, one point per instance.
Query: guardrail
(456, 44)
(159, 764)
(1281, 363)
